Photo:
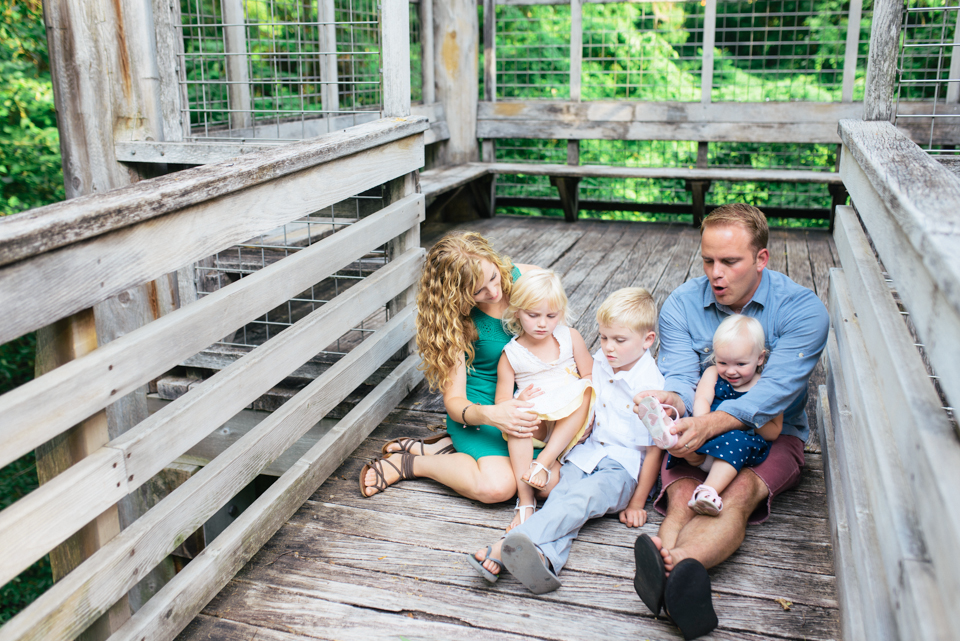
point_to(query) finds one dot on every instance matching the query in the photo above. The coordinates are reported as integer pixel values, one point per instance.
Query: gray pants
(576, 499)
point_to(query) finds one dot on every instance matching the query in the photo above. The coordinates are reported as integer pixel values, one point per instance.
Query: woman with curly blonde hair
(464, 291)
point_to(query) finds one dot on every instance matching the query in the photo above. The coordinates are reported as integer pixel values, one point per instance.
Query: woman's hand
(513, 418)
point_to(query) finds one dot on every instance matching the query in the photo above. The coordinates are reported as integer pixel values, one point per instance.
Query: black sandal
(405, 471)
(650, 576)
(407, 443)
(688, 601)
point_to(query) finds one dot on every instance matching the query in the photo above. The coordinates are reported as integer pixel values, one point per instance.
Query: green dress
(483, 440)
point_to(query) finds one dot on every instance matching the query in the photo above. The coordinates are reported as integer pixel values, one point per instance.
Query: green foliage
(30, 168)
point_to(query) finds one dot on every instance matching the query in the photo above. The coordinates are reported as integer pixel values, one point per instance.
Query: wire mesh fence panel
(785, 50)
(269, 69)
(649, 51)
(237, 262)
(533, 52)
(929, 66)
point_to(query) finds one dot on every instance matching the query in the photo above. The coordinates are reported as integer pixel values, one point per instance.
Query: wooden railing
(892, 455)
(57, 262)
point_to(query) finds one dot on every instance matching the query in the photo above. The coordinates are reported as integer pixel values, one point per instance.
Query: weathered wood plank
(586, 290)
(395, 57)
(808, 122)
(910, 204)
(82, 596)
(57, 283)
(686, 173)
(882, 55)
(456, 34)
(686, 251)
(37, 411)
(47, 228)
(926, 440)
(215, 566)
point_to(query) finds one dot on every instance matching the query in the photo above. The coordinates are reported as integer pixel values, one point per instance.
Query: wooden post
(398, 189)
(168, 35)
(456, 30)
(395, 57)
(569, 191)
(489, 151)
(238, 74)
(329, 78)
(838, 194)
(709, 38)
(569, 188)
(698, 188)
(427, 52)
(850, 53)
(57, 344)
(878, 103)
(107, 87)
(953, 87)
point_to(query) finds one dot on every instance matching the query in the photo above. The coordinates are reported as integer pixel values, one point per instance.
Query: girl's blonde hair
(451, 274)
(738, 326)
(531, 289)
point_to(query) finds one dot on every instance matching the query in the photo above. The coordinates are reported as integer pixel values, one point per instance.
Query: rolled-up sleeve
(804, 324)
(678, 360)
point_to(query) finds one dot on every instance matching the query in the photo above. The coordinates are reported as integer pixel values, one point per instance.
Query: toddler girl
(550, 363)
(738, 354)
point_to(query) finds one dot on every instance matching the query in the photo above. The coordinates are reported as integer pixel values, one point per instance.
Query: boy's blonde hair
(632, 307)
(738, 326)
(531, 289)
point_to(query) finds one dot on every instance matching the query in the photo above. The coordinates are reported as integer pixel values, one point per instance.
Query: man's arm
(678, 360)
(803, 335)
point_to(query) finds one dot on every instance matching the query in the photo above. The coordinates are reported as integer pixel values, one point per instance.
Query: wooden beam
(41, 409)
(953, 88)
(908, 202)
(732, 122)
(60, 614)
(923, 434)
(850, 51)
(427, 52)
(683, 173)
(46, 228)
(878, 101)
(207, 574)
(238, 74)
(54, 284)
(174, 103)
(709, 38)
(456, 33)
(329, 78)
(147, 448)
(576, 48)
(568, 189)
(395, 57)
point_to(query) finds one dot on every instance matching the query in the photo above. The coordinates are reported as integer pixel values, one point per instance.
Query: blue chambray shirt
(795, 325)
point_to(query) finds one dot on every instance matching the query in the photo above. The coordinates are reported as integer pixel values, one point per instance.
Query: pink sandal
(706, 501)
(654, 417)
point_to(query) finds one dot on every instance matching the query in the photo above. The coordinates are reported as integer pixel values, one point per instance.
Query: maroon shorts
(780, 471)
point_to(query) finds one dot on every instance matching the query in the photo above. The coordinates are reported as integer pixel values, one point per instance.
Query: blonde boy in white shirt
(612, 471)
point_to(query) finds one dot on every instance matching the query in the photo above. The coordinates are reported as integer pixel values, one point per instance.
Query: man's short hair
(747, 216)
(631, 307)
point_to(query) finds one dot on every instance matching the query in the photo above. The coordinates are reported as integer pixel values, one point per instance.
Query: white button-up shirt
(618, 432)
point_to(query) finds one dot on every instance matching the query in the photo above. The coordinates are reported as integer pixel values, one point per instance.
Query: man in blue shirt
(795, 323)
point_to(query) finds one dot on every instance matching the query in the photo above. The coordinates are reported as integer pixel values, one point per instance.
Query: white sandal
(521, 509)
(706, 501)
(536, 467)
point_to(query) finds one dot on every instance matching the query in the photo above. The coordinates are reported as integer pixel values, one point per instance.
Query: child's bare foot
(523, 512)
(481, 555)
(538, 475)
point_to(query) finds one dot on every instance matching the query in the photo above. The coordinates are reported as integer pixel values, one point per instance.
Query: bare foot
(670, 557)
(481, 554)
(525, 511)
(538, 480)
(414, 448)
(391, 474)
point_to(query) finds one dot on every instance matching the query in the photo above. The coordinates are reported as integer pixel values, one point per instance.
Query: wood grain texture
(47, 228)
(395, 57)
(910, 205)
(216, 565)
(456, 33)
(686, 173)
(49, 404)
(878, 101)
(57, 283)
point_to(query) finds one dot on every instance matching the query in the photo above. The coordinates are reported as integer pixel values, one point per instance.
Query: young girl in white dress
(550, 365)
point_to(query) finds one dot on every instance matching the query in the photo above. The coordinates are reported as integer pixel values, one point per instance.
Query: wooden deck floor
(393, 566)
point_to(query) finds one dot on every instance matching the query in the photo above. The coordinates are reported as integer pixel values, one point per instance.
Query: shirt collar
(645, 361)
(761, 297)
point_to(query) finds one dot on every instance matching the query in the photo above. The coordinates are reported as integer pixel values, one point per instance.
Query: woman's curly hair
(451, 274)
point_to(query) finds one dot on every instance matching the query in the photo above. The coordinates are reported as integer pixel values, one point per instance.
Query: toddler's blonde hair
(632, 307)
(739, 326)
(531, 289)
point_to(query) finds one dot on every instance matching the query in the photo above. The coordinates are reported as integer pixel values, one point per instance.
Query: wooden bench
(566, 178)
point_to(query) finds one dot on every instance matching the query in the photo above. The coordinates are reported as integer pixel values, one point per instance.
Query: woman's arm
(581, 355)
(772, 429)
(510, 417)
(634, 515)
(705, 392)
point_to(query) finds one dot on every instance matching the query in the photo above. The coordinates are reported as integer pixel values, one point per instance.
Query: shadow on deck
(393, 566)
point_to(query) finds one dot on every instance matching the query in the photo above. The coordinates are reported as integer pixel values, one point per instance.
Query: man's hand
(664, 397)
(694, 431)
(633, 516)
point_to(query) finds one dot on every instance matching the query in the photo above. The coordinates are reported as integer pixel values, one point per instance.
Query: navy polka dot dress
(736, 447)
